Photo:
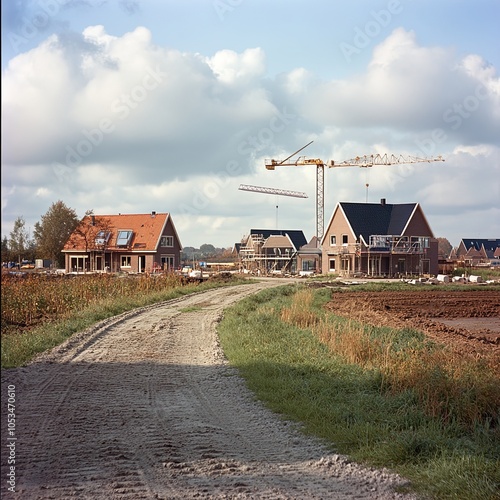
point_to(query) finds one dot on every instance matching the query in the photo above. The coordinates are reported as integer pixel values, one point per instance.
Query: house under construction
(379, 239)
(269, 251)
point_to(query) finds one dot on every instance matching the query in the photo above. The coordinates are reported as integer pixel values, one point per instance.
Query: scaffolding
(254, 256)
(396, 255)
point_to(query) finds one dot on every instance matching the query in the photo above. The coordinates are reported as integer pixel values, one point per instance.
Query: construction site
(368, 239)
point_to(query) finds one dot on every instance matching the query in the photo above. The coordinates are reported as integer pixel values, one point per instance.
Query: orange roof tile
(146, 229)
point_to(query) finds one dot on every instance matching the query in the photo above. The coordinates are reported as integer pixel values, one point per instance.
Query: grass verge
(274, 341)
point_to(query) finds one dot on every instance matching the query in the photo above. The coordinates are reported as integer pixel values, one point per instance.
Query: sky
(136, 106)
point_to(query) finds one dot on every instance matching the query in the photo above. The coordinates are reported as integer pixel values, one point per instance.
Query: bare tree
(95, 232)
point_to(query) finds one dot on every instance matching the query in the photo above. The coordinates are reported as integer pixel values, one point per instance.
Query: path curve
(144, 405)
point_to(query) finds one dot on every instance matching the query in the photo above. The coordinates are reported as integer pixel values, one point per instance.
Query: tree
(207, 249)
(6, 253)
(19, 239)
(95, 232)
(53, 231)
(444, 248)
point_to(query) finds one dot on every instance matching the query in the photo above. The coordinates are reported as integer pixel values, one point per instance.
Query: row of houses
(375, 239)
(372, 239)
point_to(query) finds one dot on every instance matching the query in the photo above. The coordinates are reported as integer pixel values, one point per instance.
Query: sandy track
(144, 405)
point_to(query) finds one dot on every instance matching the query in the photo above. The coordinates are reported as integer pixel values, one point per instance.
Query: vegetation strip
(40, 312)
(347, 383)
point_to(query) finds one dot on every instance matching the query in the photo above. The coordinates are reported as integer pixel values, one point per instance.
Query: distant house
(309, 257)
(133, 243)
(379, 239)
(271, 250)
(478, 251)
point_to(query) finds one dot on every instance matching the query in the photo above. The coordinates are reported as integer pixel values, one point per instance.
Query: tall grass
(386, 397)
(40, 312)
(32, 299)
(448, 386)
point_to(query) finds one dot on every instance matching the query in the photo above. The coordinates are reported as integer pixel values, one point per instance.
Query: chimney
(93, 220)
(382, 201)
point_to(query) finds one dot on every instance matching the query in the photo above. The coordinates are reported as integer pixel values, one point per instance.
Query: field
(466, 320)
(351, 364)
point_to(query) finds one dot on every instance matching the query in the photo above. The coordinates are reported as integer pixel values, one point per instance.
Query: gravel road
(144, 405)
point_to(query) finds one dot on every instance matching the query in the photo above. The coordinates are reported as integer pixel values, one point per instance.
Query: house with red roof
(379, 239)
(134, 243)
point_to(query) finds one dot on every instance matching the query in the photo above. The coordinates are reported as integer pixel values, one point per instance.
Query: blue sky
(134, 106)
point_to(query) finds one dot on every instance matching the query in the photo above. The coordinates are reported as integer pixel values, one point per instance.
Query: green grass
(349, 406)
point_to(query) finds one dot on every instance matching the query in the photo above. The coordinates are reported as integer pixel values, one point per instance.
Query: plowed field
(466, 320)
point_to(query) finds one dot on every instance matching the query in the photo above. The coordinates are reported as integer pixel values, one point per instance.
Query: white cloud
(118, 124)
(412, 88)
(233, 68)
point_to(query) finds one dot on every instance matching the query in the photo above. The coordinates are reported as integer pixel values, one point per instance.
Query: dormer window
(123, 238)
(102, 237)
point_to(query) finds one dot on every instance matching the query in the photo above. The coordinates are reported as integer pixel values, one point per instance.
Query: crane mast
(359, 161)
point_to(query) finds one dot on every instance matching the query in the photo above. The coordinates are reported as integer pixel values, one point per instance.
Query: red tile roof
(146, 228)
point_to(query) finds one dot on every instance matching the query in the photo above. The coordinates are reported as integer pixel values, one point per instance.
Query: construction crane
(359, 161)
(278, 192)
(281, 192)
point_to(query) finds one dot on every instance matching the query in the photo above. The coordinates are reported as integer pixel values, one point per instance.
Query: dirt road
(145, 406)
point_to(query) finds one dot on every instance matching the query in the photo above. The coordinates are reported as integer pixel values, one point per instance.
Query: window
(167, 241)
(331, 265)
(167, 262)
(102, 237)
(344, 239)
(125, 261)
(78, 263)
(333, 240)
(123, 238)
(308, 265)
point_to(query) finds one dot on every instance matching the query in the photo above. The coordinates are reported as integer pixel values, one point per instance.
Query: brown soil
(144, 405)
(467, 321)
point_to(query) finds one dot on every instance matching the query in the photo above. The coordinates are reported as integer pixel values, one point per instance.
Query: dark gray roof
(490, 245)
(367, 219)
(297, 236)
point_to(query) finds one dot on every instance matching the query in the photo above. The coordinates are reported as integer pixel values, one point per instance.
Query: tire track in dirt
(145, 406)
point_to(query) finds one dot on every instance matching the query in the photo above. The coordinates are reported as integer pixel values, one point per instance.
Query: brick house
(133, 243)
(309, 257)
(379, 239)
